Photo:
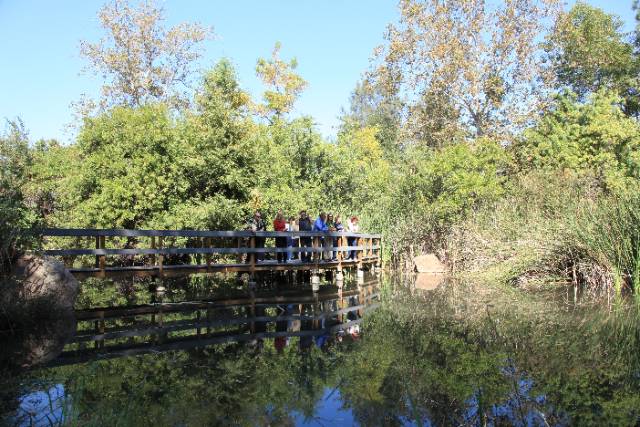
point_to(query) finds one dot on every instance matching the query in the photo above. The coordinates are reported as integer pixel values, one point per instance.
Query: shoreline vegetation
(518, 165)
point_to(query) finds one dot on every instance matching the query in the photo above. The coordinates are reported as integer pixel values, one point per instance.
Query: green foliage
(16, 219)
(129, 167)
(590, 52)
(592, 137)
(371, 107)
(436, 188)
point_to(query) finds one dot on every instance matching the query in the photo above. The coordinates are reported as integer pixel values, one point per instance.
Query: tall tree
(370, 106)
(484, 60)
(140, 58)
(589, 51)
(284, 86)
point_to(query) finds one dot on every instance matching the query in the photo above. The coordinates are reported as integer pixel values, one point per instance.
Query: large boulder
(41, 281)
(429, 263)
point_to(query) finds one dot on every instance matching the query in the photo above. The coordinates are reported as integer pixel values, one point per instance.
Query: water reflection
(447, 356)
(313, 317)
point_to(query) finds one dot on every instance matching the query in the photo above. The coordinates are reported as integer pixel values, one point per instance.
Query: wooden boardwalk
(176, 252)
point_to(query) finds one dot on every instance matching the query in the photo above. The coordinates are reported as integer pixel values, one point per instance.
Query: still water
(382, 352)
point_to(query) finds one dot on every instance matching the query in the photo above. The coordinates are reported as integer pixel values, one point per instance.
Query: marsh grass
(553, 230)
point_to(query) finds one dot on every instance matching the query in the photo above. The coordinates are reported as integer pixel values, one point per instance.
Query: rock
(429, 263)
(429, 281)
(42, 281)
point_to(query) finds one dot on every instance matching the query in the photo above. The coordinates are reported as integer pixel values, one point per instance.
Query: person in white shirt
(352, 227)
(293, 241)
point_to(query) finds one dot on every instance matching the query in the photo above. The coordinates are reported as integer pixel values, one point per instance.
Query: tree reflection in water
(453, 356)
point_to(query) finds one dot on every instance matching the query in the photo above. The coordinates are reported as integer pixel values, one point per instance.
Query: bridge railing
(246, 246)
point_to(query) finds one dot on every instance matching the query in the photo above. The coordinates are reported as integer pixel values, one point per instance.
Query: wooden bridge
(176, 252)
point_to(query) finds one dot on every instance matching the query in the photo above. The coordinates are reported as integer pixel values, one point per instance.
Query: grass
(551, 230)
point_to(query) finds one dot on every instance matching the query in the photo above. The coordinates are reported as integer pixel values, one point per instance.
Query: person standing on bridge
(280, 225)
(330, 242)
(304, 224)
(294, 240)
(352, 227)
(321, 225)
(257, 224)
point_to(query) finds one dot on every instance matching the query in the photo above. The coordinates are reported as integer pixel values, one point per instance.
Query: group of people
(324, 223)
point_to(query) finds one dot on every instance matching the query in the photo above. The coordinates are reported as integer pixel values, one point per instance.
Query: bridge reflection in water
(315, 317)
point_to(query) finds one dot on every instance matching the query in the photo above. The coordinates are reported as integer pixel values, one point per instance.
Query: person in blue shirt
(321, 225)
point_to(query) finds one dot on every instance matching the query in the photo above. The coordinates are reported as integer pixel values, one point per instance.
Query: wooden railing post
(100, 259)
(97, 247)
(359, 251)
(160, 256)
(314, 245)
(252, 245)
(208, 245)
(153, 246)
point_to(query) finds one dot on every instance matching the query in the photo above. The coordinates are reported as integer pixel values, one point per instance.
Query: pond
(382, 352)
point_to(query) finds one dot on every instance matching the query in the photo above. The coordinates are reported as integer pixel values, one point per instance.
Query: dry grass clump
(545, 234)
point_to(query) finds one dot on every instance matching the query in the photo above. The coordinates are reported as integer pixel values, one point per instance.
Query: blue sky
(332, 40)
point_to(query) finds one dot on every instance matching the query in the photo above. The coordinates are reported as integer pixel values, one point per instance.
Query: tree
(484, 61)
(140, 59)
(145, 167)
(593, 137)
(130, 171)
(284, 86)
(370, 106)
(589, 52)
(16, 218)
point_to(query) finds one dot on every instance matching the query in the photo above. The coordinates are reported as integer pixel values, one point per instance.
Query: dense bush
(17, 221)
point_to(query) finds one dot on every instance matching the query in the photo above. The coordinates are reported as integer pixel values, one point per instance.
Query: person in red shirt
(279, 224)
